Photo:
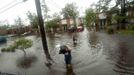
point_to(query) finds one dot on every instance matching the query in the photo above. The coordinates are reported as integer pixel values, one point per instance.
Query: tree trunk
(74, 19)
(68, 22)
(123, 26)
(24, 52)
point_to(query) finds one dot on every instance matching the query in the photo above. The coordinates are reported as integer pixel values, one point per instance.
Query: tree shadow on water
(26, 62)
(69, 70)
(93, 39)
(124, 63)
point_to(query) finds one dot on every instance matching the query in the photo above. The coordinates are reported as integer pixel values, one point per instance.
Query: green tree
(21, 44)
(33, 19)
(90, 17)
(4, 25)
(70, 11)
(19, 22)
(102, 5)
(55, 15)
(121, 17)
(52, 24)
(45, 10)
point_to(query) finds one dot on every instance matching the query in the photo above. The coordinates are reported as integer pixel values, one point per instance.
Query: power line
(10, 7)
(7, 4)
(55, 5)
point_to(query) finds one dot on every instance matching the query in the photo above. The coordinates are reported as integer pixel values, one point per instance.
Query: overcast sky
(22, 8)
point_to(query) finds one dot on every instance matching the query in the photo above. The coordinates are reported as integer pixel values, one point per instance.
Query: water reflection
(26, 62)
(93, 39)
(94, 43)
(87, 51)
(51, 43)
(69, 70)
(125, 62)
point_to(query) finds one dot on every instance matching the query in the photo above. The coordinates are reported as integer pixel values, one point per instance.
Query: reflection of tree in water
(69, 70)
(26, 62)
(125, 61)
(95, 44)
(93, 39)
(51, 44)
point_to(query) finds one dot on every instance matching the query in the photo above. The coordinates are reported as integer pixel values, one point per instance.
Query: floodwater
(94, 54)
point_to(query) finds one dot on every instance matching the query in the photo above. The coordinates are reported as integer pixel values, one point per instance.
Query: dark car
(72, 29)
(80, 29)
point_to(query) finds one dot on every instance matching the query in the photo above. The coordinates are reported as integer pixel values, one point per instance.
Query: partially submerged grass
(126, 32)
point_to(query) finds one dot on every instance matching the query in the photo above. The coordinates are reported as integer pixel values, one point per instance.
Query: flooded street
(95, 54)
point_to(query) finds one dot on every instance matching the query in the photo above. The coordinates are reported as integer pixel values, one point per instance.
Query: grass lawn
(126, 32)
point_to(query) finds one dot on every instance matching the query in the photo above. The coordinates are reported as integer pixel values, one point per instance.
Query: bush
(12, 48)
(110, 31)
(131, 27)
(127, 32)
(3, 50)
(18, 44)
(9, 49)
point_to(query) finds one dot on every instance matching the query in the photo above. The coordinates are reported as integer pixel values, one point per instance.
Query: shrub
(21, 44)
(3, 50)
(12, 48)
(8, 50)
(131, 27)
(110, 31)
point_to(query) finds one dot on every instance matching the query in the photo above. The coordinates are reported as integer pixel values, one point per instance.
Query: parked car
(3, 39)
(71, 29)
(80, 29)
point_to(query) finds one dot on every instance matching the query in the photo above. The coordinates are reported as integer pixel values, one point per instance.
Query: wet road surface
(95, 54)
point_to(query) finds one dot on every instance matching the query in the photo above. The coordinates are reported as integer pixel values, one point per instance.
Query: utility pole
(123, 7)
(42, 30)
(123, 14)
